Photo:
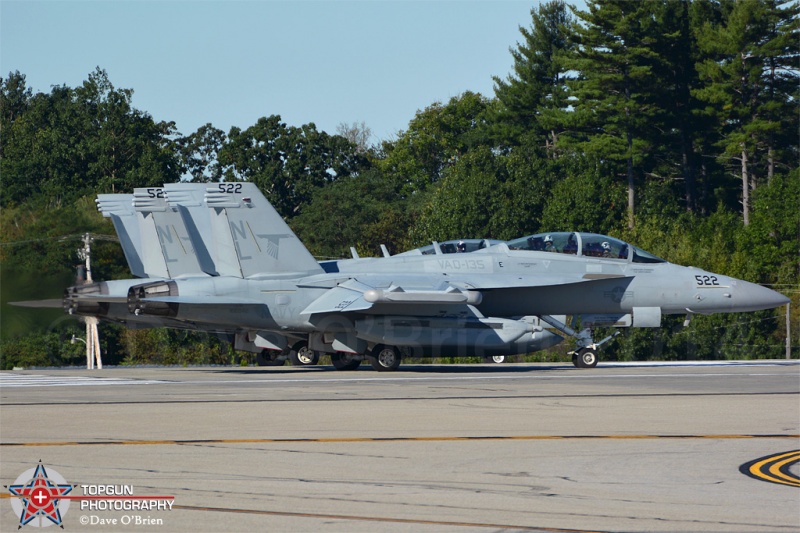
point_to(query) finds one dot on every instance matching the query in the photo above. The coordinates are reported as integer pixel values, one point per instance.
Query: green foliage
(749, 74)
(286, 162)
(535, 95)
(73, 142)
(737, 336)
(468, 203)
(199, 153)
(163, 346)
(435, 139)
(44, 348)
(363, 211)
(45, 241)
(587, 199)
(771, 240)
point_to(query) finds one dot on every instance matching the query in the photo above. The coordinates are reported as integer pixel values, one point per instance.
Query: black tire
(302, 355)
(345, 361)
(385, 358)
(586, 358)
(270, 358)
(495, 359)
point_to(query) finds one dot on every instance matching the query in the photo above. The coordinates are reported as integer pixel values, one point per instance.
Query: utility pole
(788, 332)
(92, 335)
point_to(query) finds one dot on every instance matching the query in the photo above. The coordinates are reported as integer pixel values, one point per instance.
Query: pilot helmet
(461, 246)
(548, 238)
(606, 246)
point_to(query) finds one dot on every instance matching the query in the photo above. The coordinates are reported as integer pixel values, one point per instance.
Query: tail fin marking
(262, 241)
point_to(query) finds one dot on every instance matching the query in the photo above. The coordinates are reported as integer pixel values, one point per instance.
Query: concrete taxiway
(460, 448)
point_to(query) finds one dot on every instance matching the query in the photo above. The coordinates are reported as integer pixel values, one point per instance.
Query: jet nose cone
(751, 297)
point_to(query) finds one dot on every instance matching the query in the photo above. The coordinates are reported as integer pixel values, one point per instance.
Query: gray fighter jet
(187, 241)
(256, 279)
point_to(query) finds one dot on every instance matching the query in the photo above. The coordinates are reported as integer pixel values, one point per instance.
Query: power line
(62, 238)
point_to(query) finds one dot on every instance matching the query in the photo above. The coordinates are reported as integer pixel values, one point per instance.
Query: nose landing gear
(586, 354)
(585, 358)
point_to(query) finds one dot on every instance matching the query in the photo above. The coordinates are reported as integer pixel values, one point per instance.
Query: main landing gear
(585, 356)
(270, 358)
(302, 355)
(384, 358)
(345, 361)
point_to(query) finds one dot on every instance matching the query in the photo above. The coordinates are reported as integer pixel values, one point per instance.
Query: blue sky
(230, 63)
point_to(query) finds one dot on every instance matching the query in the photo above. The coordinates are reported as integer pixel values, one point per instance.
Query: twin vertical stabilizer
(248, 228)
(119, 208)
(223, 229)
(165, 242)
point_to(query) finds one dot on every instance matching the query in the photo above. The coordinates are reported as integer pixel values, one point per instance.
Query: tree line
(672, 124)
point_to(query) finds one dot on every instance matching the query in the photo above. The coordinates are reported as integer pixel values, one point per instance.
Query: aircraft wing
(414, 294)
(511, 281)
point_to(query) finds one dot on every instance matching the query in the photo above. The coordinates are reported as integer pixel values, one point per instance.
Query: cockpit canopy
(583, 244)
(454, 246)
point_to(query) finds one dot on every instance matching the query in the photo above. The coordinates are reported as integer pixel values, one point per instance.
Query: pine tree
(614, 111)
(530, 98)
(674, 71)
(750, 86)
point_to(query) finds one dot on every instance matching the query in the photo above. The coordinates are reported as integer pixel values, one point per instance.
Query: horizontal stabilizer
(100, 298)
(53, 303)
(202, 300)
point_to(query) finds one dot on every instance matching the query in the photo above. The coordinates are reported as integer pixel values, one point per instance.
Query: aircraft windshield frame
(583, 245)
(451, 247)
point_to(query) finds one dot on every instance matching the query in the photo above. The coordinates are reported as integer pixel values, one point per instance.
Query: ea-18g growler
(218, 257)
